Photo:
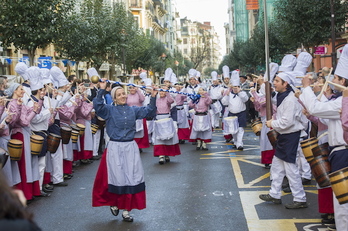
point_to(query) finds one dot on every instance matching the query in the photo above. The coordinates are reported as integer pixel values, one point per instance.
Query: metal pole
(333, 35)
(267, 83)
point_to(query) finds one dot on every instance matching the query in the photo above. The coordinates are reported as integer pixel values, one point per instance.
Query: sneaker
(167, 159)
(306, 181)
(267, 166)
(331, 227)
(287, 189)
(240, 148)
(161, 160)
(329, 221)
(267, 197)
(296, 205)
(114, 210)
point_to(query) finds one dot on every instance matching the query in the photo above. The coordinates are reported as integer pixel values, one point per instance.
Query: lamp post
(333, 35)
(177, 67)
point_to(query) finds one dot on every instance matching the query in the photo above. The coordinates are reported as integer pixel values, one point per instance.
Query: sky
(214, 11)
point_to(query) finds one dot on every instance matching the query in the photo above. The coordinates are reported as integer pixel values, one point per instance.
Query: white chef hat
(342, 65)
(273, 71)
(148, 82)
(168, 74)
(226, 71)
(198, 74)
(143, 75)
(58, 76)
(173, 79)
(45, 75)
(92, 72)
(288, 63)
(192, 73)
(235, 81)
(286, 77)
(34, 76)
(21, 69)
(214, 75)
(304, 59)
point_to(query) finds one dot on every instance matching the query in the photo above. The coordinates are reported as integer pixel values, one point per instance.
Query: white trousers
(280, 169)
(42, 166)
(57, 164)
(341, 215)
(303, 165)
(238, 137)
(96, 141)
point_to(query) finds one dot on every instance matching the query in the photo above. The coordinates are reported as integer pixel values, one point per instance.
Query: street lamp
(177, 67)
(333, 35)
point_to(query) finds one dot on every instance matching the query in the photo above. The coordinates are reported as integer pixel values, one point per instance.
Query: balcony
(135, 4)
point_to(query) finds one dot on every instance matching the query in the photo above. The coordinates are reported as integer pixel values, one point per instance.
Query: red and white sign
(320, 50)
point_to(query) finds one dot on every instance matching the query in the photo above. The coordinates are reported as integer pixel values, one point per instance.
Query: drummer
(165, 146)
(183, 124)
(39, 124)
(215, 95)
(284, 162)
(119, 182)
(201, 128)
(225, 98)
(236, 107)
(337, 137)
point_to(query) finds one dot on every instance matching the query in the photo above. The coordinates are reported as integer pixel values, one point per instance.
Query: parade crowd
(51, 123)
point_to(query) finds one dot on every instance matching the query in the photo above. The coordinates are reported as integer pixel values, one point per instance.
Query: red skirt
(29, 189)
(143, 142)
(102, 197)
(184, 133)
(325, 200)
(166, 150)
(83, 155)
(67, 166)
(267, 156)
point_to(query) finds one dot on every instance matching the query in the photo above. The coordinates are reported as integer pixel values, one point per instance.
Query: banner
(44, 62)
(252, 4)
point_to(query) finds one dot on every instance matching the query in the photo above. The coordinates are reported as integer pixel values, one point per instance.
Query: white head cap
(173, 79)
(235, 81)
(273, 71)
(168, 74)
(148, 82)
(58, 76)
(34, 76)
(92, 72)
(214, 75)
(304, 59)
(143, 75)
(192, 73)
(288, 63)
(45, 75)
(342, 65)
(226, 71)
(286, 77)
(21, 69)
(198, 74)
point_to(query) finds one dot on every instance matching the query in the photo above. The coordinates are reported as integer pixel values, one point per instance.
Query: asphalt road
(199, 190)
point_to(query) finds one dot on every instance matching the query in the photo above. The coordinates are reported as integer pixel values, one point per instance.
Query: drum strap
(339, 148)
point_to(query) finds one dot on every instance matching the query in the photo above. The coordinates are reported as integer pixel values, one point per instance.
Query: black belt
(149, 118)
(163, 114)
(180, 108)
(201, 113)
(214, 100)
(121, 140)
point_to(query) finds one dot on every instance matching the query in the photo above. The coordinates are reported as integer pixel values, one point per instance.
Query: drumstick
(49, 100)
(30, 96)
(322, 135)
(337, 85)
(301, 77)
(325, 86)
(312, 85)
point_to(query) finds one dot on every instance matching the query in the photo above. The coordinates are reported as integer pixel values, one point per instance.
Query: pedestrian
(288, 125)
(119, 182)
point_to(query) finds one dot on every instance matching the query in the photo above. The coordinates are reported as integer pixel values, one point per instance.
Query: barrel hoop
(342, 195)
(340, 180)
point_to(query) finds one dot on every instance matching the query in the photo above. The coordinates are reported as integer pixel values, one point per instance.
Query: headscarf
(9, 91)
(113, 92)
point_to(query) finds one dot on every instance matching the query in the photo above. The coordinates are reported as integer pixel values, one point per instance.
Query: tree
(30, 25)
(200, 52)
(308, 22)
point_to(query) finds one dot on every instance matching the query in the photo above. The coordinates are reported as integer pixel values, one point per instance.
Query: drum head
(74, 127)
(37, 137)
(15, 141)
(81, 126)
(66, 128)
(54, 135)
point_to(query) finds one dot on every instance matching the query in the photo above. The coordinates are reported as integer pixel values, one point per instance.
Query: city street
(199, 190)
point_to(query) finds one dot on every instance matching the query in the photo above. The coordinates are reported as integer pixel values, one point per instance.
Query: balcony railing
(135, 3)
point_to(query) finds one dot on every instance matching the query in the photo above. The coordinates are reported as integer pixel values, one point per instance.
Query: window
(185, 40)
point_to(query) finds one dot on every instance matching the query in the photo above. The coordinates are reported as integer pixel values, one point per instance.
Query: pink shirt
(203, 104)
(136, 99)
(344, 118)
(84, 112)
(180, 99)
(163, 104)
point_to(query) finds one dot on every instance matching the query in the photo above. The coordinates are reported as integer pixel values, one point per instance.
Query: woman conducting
(119, 182)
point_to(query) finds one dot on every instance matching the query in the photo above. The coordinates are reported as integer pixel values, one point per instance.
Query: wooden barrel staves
(257, 127)
(53, 142)
(307, 146)
(339, 184)
(36, 143)
(272, 137)
(15, 148)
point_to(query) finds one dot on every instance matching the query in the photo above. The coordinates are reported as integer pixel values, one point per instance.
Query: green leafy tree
(30, 25)
(308, 22)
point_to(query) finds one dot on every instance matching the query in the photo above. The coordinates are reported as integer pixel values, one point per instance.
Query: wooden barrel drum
(272, 137)
(15, 148)
(74, 136)
(82, 129)
(339, 184)
(53, 142)
(307, 146)
(94, 128)
(257, 126)
(66, 134)
(36, 143)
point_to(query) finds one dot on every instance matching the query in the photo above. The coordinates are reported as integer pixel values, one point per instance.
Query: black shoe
(267, 197)
(161, 160)
(296, 205)
(198, 148)
(328, 221)
(67, 176)
(86, 161)
(306, 181)
(47, 190)
(181, 141)
(140, 150)
(167, 159)
(267, 166)
(287, 189)
(96, 157)
(331, 227)
(194, 143)
(228, 140)
(44, 194)
(240, 148)
(114, 210)
(61, 184)
(327, 215)
(48, 186)
(76, 163)
(127, 218)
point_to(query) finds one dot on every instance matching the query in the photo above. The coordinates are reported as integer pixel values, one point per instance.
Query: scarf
(283, 95)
